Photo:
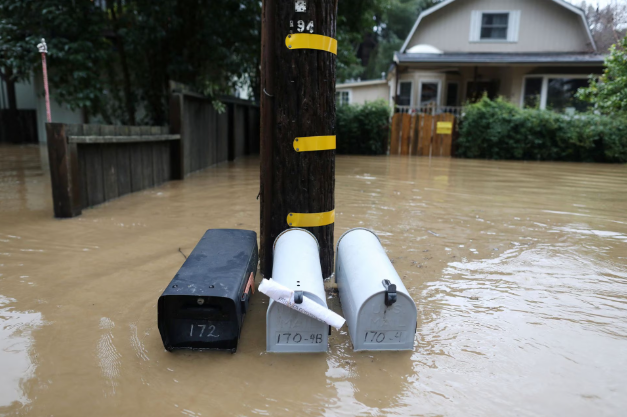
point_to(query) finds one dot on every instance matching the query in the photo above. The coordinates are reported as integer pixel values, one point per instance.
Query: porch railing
(457, 111)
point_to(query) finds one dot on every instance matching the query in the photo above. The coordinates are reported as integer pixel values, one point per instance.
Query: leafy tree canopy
(608, 93)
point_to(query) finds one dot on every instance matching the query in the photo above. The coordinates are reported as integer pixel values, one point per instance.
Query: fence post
(64, 172)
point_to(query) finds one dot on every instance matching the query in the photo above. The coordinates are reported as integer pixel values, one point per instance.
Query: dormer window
(494, 26)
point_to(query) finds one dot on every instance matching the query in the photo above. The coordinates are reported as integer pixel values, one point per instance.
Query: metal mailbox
(379, 311)
(204, 306)
(297, 266)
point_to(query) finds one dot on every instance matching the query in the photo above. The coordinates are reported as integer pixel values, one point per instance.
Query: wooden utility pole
(298, 58)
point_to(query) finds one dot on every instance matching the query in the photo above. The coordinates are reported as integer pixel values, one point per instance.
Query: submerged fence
(415, 132)
(91, 164)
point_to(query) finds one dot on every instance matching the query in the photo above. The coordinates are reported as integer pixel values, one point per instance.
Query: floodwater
(519, 271)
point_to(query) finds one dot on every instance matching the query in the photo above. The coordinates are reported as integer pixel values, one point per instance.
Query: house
(359, 92)
(532, 52)
(30, 100)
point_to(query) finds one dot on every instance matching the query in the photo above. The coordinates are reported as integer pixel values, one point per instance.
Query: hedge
(363, 129)
(496, 129)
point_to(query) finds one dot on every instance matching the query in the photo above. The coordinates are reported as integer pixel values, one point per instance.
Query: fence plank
(395, 134)
(448, 139)
(405, 131)
(94, 181)
(109, 165)
(123, 157)
(137, 169)
(147, 160)
(426, 134)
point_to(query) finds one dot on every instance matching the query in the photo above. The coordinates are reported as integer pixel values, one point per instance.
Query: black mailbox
(205, 304)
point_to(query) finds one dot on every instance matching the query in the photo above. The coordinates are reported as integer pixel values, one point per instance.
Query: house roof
(501, 58)
(445, 3)
(361, 83)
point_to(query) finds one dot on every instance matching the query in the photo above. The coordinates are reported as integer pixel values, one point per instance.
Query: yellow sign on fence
(444, 128)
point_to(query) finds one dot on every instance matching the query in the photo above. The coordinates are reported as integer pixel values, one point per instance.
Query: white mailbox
(379, 311)
(296, 266)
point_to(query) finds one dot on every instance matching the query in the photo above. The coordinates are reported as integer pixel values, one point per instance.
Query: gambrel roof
(563, 3)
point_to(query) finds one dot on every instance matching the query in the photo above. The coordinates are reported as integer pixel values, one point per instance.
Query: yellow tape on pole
(310, 41)
(314, 143)
(311, 219)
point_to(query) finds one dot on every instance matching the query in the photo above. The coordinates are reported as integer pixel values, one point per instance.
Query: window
(429, 93)
(342, 98)
(532, 92)
(494, 26)
(452, 92)
(554, 92)
(404, 93)
(561, 95)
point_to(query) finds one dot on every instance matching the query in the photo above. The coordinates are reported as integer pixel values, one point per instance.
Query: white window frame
(544, 92)
(458, 93)
(513, 26)
(411, 91)
(350, 96)
(429, 81)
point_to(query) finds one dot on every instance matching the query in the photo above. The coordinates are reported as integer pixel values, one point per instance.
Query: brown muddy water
(519, 271)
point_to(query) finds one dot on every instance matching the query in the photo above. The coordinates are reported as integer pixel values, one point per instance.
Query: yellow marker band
(311, 219)
(310, 41)
(314, 143)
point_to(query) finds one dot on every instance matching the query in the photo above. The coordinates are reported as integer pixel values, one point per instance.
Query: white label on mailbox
(293, 338)
(383, 336)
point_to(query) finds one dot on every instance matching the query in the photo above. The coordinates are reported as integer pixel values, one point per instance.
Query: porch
(442, 83)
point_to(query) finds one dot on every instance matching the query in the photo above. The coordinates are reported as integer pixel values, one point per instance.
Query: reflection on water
(519, 271)
(16, 356)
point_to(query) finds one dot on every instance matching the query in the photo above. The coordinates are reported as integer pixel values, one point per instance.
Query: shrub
(363, 129)
(496, 129)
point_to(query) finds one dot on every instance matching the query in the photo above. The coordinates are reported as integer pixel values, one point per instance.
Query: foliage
(608, 23)
(116, 58)
(609, 93)
(496, 129)
(393, 24)
(77, 50)
(363, 129)
(354, 19)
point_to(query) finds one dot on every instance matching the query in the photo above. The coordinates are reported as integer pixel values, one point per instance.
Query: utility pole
(298, 59)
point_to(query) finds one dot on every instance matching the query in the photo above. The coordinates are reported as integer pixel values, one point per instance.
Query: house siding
(544, 27)
(363, 94)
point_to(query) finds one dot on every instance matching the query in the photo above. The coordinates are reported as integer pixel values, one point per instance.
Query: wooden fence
(91, 164)
(416, 134)
(210, 137)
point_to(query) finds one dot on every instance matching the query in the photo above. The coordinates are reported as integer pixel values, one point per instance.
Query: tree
(74, 36)
(608, 24)
(116, 58)
(393, 25)
(608, 94)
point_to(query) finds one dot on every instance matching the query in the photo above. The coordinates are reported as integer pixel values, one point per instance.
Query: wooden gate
(415, 134)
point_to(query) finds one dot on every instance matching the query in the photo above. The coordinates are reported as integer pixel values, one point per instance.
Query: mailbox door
(290, 331)
(380, 327)
(188, 325)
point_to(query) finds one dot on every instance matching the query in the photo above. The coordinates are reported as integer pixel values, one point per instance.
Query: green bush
(496, 129)
(363, 129)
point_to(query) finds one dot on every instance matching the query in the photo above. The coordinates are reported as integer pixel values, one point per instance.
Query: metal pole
(43, 48)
